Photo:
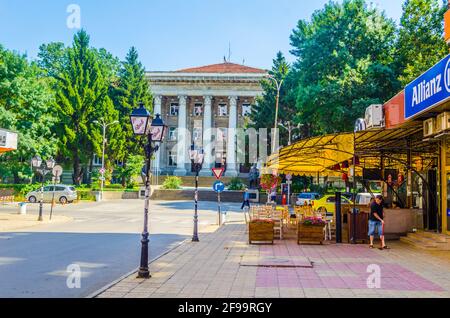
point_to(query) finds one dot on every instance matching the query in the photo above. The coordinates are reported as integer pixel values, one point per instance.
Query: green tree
(81, 80)
(263, 112)
(132, 169)
(420, 43)
(344, 64)
(131, 89)
(25, 107)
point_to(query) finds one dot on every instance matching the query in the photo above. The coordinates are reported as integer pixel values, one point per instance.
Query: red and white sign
(218, 172)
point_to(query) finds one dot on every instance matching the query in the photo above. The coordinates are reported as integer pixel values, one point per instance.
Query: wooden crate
(310, 234)
(261, 232)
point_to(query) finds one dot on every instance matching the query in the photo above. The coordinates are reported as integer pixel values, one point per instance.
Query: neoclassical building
(203, 106)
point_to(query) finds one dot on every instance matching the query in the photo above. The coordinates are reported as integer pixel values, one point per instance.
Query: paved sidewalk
(224, 265)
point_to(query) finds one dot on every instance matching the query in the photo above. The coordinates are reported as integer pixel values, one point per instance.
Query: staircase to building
(428, 240)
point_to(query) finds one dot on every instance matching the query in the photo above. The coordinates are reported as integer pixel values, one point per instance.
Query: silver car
(61, 193)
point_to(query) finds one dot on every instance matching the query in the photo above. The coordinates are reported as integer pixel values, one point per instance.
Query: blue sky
(169, 34)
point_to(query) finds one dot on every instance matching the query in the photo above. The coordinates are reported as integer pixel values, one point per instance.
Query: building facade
(203, 107)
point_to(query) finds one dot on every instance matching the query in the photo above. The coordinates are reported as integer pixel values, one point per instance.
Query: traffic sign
(288, 177)
(218, 172)
(219, 186)
(102, 170)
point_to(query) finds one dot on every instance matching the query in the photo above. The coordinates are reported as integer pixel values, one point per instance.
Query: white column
(232, 169)
(207, 136)
(183, 138)
(157, 109)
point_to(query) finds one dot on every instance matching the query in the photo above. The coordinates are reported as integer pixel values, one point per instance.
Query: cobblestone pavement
(223, 265)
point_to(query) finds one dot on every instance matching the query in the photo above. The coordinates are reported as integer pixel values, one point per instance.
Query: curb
(115, 282)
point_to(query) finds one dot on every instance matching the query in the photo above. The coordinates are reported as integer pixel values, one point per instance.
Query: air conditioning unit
(442, 122)
(374, 116)
(429, 127)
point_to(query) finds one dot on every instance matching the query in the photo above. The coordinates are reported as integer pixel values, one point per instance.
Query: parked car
(327, 203)
(307, 197)
(62, 194)
(364, 198)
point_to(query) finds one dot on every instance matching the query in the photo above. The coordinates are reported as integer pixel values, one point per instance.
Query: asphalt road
(103, 240)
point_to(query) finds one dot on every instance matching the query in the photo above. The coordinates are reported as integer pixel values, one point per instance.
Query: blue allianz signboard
(429, 89)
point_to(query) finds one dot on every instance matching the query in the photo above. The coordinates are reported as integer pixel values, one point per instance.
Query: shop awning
(319, 155)
(313, 155)
(8, 141)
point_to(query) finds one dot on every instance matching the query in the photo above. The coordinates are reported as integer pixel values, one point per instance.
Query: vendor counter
(398, 222)
(402, 221)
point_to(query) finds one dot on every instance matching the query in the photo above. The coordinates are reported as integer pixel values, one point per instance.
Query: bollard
(23, 208)
(338, 214)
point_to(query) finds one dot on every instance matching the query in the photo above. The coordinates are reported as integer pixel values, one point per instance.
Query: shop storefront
(427, 101)
(410, 155)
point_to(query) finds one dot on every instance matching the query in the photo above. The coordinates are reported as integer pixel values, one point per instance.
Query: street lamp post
(278, 84)
(43, 168)
(290, 129)
(197, 158)
(155, 131)
(105, 126)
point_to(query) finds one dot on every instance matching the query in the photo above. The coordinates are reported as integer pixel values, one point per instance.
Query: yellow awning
(318, 155)
(313, 155)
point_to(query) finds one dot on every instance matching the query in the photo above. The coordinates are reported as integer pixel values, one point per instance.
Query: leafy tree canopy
(344, 64)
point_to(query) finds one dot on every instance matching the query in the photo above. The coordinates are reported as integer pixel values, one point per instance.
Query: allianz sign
(428, 90)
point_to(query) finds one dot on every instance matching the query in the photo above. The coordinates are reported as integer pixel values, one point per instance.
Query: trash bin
(23, 208)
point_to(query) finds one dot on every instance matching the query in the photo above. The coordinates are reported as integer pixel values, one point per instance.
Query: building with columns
(204, 106)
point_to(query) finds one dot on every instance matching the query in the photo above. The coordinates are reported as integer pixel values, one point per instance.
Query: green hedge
(21, 189)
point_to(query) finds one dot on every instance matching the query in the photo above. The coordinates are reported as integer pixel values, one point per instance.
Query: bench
(6, 195)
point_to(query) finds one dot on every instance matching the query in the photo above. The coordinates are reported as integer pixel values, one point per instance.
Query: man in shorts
(376, 221)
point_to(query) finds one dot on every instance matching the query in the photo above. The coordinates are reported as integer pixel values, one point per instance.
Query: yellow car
(327, 203)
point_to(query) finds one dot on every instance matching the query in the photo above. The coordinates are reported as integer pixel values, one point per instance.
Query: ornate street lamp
(43, 168)
(155, 130)
(197, 158)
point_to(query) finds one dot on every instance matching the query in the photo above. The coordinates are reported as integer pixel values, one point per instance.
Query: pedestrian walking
(246, 202)
(376, 222)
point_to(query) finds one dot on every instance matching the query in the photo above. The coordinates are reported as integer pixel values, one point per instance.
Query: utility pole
(278, 84)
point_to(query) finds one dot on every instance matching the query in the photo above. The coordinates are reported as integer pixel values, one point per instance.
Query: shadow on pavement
(35, 264)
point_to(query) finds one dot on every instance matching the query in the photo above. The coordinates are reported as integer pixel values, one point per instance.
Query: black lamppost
(197, 158)
(43, 167)
(154, 130)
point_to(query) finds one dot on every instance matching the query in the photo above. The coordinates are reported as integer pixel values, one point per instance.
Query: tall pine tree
(132, 88)
(81, 83)
(263, 112)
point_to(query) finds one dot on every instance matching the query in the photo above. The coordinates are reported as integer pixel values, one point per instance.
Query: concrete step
(438, 238)
(424, 242)
(419, 243)
(441, 238)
